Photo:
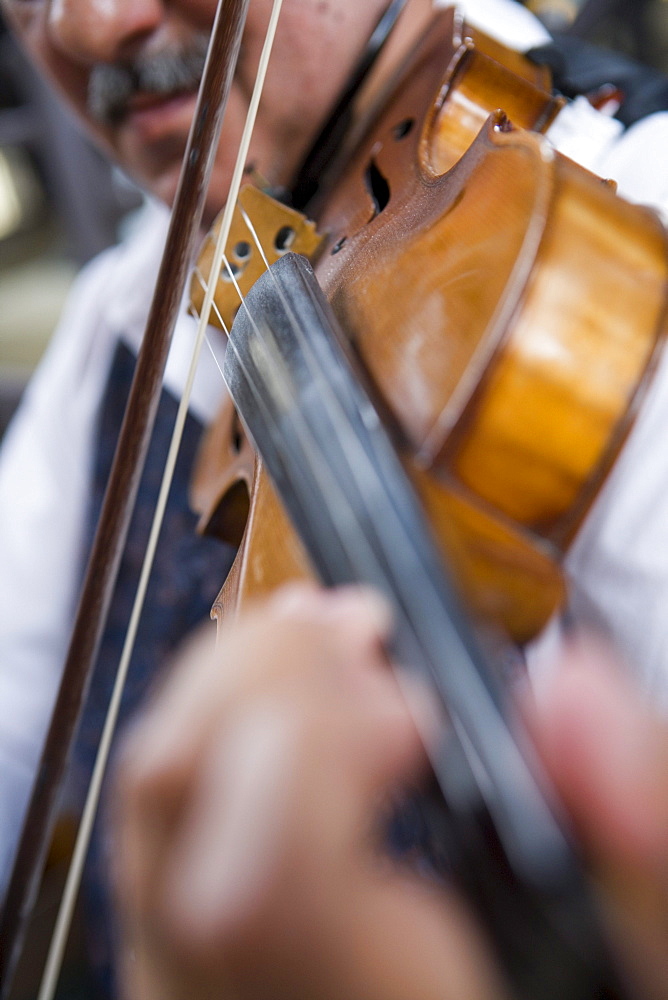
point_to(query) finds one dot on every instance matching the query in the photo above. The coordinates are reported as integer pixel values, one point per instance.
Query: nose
(93, 31)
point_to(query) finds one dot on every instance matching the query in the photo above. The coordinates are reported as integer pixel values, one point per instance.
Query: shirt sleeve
(505, 20)
(44, 471)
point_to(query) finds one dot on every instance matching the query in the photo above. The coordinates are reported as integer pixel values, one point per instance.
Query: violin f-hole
(378, 187)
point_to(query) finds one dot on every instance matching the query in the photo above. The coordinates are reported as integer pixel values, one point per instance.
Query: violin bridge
(262, 230)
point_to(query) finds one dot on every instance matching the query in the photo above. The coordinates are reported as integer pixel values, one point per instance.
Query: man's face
(131, 69)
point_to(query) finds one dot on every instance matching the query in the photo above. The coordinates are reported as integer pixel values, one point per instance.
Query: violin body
(506, 307)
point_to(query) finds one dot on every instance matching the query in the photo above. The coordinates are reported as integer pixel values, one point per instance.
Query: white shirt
(45, 469)
(46, 455)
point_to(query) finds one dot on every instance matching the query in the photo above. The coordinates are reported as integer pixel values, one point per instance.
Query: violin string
(327, 482)
(508, 767)
(354, 542)
(214, 308)
(359, 465)
(281, 379)
(214, 305)
(422, 606)
(318, 462)
(344, 423)
(58, 942)
(350, 532)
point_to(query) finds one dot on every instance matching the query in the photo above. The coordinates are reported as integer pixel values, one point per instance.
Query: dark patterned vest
(186, 576)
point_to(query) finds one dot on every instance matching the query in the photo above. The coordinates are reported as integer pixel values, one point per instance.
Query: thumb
(607, 753)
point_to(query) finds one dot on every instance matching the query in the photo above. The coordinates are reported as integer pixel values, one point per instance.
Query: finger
(608, 755)
(301, 631)
(232, 839)
(275, 640)
(402, 917)
(286, 788)
(397, 717)
(253, 877)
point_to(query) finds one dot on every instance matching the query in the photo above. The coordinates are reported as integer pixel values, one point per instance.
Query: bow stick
(124, 480)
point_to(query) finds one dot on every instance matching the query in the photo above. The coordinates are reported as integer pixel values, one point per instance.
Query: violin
(488, 398)
(507, 372)
(416, 178)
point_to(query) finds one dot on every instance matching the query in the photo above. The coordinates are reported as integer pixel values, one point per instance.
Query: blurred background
(636, 27)
(61, 203)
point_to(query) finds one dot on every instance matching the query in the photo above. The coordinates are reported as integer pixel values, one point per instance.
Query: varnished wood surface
(508, 308)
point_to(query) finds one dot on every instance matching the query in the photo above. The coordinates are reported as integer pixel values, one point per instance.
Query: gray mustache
(111, 86)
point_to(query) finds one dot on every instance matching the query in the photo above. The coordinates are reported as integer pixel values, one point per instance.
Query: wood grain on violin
(507, 308)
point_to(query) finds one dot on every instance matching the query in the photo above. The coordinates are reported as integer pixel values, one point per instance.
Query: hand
(249, 817)
(249, 829)
(607, 753)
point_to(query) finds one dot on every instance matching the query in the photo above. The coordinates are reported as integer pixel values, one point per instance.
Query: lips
(156, 117)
